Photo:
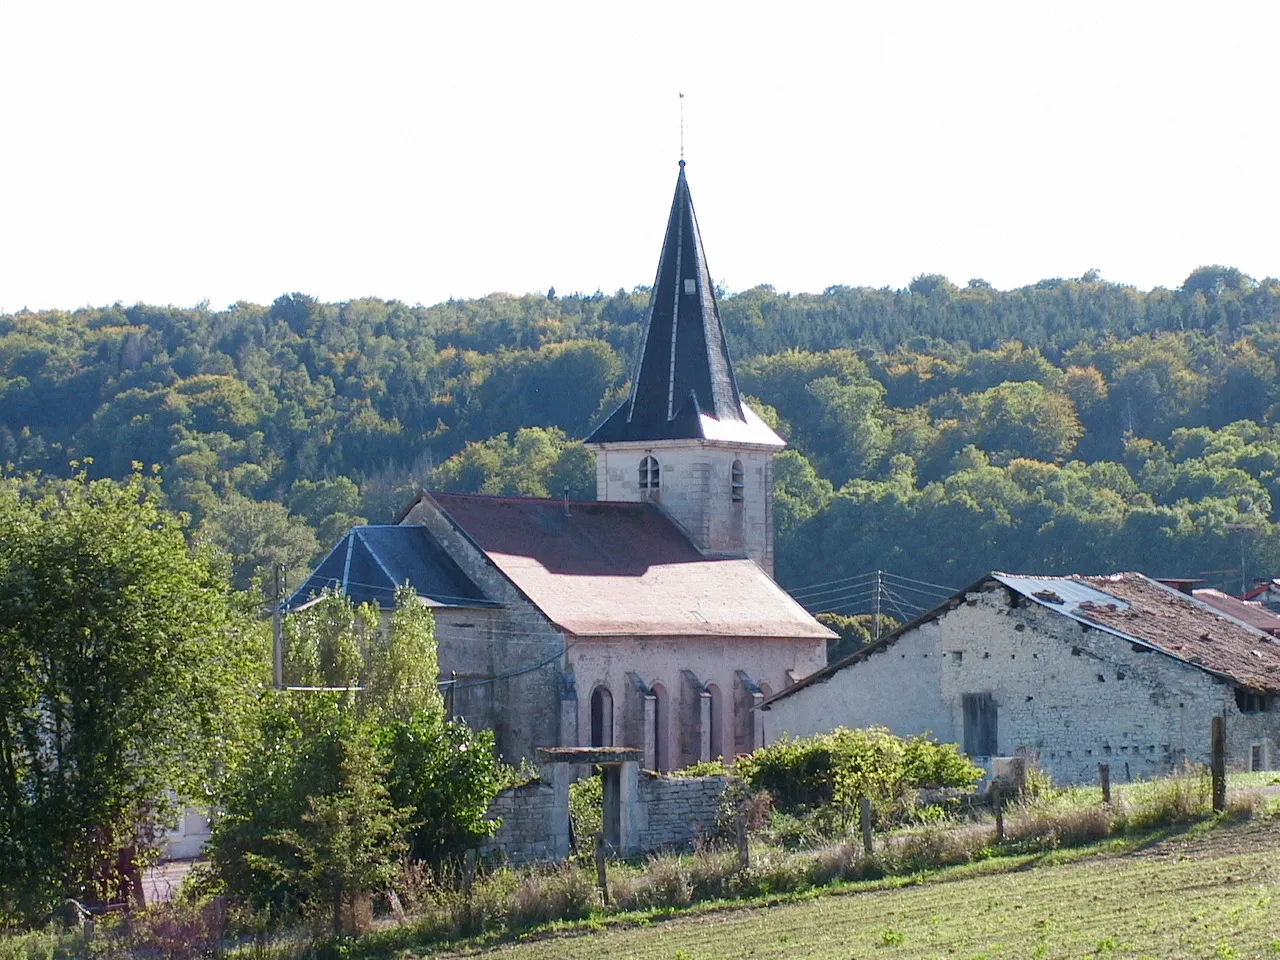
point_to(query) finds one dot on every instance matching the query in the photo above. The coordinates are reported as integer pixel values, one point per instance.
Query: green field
(1212, 894)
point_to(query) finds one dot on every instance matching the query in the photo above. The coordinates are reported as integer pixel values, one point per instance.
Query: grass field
(1207, 894)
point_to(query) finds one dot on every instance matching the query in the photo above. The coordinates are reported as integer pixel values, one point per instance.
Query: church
(646, 618)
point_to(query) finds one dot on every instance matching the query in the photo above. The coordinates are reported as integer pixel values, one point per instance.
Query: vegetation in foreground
(1210, 896)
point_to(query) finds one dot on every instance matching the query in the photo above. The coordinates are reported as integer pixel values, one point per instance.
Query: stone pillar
(557, 775)
(568, 710)
(704, 726)
(628, 787)
(650, 732)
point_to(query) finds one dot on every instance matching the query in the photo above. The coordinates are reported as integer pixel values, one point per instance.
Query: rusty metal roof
(1145, 611)
(684, 387)
(623, 569)
(1131, 606)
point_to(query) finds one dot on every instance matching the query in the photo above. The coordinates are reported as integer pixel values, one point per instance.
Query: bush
(839, 767)
(586, 812)
(562, 894)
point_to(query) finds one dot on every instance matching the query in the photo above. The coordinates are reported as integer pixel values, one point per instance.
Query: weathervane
(682, 128)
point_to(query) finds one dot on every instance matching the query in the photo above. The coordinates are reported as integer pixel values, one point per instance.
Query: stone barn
(1071, 671)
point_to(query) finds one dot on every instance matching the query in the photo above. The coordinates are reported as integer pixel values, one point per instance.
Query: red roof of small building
(624, 569)
(1254, 614)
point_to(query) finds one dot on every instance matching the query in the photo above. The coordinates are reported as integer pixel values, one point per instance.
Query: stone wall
(1066, 695)
(675, 811)
(529, 819)
(695, 490)
(523, 708)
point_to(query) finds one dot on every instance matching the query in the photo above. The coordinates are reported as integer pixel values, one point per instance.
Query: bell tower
(684, 438)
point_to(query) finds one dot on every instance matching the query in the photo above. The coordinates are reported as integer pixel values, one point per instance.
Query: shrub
(586, 812)
(839, 767)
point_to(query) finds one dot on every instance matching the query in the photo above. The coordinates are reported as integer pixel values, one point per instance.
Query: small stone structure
(641, 812)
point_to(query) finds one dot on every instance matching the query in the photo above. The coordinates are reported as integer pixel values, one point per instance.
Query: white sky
(179, 151)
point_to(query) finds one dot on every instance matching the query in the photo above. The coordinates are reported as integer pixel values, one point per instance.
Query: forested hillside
(938, 431)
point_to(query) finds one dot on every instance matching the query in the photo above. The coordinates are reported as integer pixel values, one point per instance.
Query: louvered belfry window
(650, 476)
(737, 482)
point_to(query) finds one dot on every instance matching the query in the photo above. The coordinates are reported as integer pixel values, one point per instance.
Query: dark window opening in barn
(979, 724)
(601, 717)
(1250, 702)
(737, 481)
(1257, 759)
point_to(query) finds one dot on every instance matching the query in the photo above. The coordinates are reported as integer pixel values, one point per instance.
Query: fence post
(1218, 764)
(468, 880)
(744, 847)
(602, 873)
(1104, 778)
(864, 814)
(997, 800)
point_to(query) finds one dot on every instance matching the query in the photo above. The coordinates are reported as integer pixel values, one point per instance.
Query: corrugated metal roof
(370, 562)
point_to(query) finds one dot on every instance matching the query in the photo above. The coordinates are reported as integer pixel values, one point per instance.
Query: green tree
(127, 666)
(258, 534)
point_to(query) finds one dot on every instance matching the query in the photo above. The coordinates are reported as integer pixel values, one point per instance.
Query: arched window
(601, 717)
(649, 475)
(737, 482)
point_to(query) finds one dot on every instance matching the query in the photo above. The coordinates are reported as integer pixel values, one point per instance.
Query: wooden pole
(997, 800)
(1218, 763)
(864, 814)
(1104, 778)
(277, 631)
(602, 874)
(744, 847)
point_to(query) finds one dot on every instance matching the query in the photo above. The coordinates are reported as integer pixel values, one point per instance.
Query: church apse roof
(684, 387)
(623, 569)
(370, 562)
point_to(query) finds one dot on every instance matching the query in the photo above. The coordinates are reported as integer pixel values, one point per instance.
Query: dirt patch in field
(1248, 836)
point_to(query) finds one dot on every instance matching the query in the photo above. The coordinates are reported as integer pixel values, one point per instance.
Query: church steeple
(684, 387)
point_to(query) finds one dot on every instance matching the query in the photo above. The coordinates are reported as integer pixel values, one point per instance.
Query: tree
(258, 534)
(126, 669)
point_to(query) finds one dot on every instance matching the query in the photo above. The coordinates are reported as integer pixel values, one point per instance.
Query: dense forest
(936, 431)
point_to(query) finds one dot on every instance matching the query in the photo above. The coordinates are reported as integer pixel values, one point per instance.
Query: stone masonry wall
(1069, 696)
(528, 817)
(695, 490)
(677, 810)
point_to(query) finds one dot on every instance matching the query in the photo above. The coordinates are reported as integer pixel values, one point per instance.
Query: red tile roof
(624, 569)
(1254, 614)
(1185, 628)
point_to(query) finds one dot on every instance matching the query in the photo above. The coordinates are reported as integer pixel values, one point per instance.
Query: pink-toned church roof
(623, 569)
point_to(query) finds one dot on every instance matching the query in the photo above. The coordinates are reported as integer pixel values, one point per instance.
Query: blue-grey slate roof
(370, 562)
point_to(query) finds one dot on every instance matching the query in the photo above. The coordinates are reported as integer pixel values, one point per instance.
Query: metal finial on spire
(682, 129)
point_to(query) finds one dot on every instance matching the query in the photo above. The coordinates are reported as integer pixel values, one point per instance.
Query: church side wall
(714, 661)
(524, 707)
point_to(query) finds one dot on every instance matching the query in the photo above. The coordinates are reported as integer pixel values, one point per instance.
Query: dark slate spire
(684, 376)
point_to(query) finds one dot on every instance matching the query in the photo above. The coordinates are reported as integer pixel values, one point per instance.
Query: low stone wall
(675, 811)
(530, 817)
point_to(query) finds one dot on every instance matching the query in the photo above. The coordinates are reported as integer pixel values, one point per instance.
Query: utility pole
(875, 610)
(277, 624)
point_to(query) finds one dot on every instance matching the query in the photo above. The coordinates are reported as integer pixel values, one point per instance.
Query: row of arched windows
(651, 477)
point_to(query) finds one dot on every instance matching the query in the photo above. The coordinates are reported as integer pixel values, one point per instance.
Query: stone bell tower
(684, 439)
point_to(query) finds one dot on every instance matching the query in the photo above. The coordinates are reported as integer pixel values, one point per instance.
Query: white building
(1072, 671)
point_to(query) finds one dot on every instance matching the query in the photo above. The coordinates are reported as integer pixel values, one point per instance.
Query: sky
(174, 153)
